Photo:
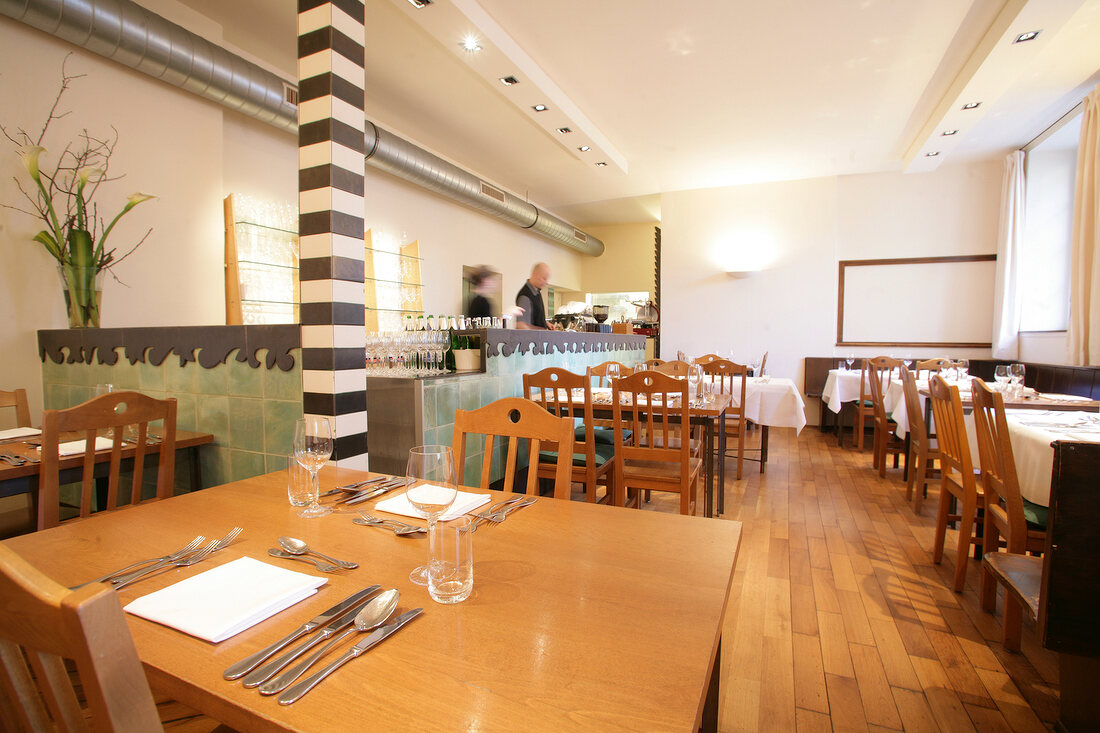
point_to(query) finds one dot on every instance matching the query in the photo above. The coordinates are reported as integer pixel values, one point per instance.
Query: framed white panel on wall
(916, 301)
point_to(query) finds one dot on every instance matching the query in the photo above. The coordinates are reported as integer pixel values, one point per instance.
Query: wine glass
(312, 447)
(430, 489)
(962, 366)
(695, 378)
(613, 372)
(850, 358)
(1001, 375)
(1016, 376)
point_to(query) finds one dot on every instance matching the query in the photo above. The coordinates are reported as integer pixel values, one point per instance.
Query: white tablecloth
(772, 401)
(842, 386)
(1032, 432)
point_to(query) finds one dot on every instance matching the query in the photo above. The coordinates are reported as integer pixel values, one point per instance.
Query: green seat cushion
(604, 453)
(1035, 515)
(602, 436)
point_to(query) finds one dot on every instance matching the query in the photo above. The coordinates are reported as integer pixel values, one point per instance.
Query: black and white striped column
(330, 200)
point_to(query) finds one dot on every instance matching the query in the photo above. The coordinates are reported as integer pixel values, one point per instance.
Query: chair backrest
(657, 406)
(918, 431)
(706, 359)
(650, 363)
(18, 400)
(43, 624)
(998, 467)
(516, 419)
(880, 368)
(600, 372)
(954, 447)
(553, 388)
(763, 364)
(676, 368)
(931, 366)
(732, 379)
(127, 416)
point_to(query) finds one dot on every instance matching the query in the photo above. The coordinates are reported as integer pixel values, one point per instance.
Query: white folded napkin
(464, 502)
(74, 447)
(1066, 397)
(226, 600)
(19, 433)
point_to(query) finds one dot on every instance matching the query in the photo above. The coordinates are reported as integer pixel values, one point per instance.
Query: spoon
(398, 530)
(374, 614)
(324, 567)
(296, 546)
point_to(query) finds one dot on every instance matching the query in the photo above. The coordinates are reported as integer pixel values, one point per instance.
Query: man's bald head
(540, 275)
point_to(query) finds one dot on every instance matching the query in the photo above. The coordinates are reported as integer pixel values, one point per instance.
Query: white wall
(794, 233)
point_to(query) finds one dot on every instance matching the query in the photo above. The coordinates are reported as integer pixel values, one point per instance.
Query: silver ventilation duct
(127, 33)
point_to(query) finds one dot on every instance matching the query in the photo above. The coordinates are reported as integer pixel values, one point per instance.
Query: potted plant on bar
(63, 198)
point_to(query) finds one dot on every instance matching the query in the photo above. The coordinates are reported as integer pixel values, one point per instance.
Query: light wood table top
(582, 617)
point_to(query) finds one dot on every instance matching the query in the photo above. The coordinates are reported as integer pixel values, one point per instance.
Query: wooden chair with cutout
(732, 379)
(705, 359)
(653, 363)
(126, 416)
(881, 368)
(930, 367)
(677, 368)
(600, 372)
(17, 399)
(923, 451)
(885, 441)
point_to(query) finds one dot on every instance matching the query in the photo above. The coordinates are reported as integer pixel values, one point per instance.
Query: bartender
(529, 299)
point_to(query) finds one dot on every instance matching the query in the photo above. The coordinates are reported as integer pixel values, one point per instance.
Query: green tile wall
(503, 377)
(250, 412)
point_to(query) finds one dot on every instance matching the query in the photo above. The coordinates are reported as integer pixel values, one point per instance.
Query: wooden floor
(838, 620)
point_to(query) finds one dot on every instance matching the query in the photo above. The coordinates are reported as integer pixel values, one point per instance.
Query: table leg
(196, 468)
(721, 464)
(710, 704)
(840, 426)
(708, 469)
(763, 448)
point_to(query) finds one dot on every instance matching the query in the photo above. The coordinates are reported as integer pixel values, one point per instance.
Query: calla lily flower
(29, 156)
(89, 173)
(136, 198)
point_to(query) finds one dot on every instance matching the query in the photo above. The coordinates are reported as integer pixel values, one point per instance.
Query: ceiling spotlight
(601, 164)
(584, 148)
(420, 3)
(932, 154)
(564, 131)
(508, 80)
(540, 108)
(470, 44)
(948, 133)
(972, 105)
(1029, 36)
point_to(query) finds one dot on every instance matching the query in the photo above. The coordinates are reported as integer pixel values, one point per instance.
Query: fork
(499, 516)
(181, 552)
(191, 559)
(396, 522)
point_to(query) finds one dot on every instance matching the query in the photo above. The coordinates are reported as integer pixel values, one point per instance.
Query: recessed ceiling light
(601, 164)
(470, 44)
(948, 133)
(508, 80)
(564, 131)
(932, 154)
(972, 105)
(420, 3)
(540, 108)
(584, 148)
(1029, 36)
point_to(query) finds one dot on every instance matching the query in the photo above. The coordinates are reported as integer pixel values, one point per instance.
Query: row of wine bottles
(443, 323)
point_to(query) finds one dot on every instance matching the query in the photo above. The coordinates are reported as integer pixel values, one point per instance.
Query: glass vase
(83, 290)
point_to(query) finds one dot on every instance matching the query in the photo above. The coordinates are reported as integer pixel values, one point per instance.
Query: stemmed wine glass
(962, 366)
(695, 378)
(1000, 374)
(1016, 376)
(312, 447)
(613, 372)
(850, 358)
(430, 489)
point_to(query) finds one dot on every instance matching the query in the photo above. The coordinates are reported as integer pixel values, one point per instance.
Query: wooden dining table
(582, 616)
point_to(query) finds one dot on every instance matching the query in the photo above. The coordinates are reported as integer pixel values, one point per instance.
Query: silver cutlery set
(361, 491)
(189, 554)
(363, 611)
(17, 460)
(498, 512)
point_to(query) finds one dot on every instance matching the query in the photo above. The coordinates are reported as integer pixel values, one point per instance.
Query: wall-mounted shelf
(261, 265)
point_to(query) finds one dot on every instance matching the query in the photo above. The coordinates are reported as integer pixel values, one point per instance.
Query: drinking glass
(451, 569)
(613, 373)
(102, 389)
(1000, 374)
(695, 378)
(430, 489)
(850, 358)
(312, 447)
(963, 368)
(1016, 377)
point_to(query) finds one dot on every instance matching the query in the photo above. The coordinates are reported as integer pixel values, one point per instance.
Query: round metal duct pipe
(125, 32)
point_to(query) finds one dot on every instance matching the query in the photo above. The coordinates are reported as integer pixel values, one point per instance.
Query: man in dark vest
(529, 299)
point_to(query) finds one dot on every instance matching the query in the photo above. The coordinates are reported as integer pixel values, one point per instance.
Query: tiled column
(330, 183)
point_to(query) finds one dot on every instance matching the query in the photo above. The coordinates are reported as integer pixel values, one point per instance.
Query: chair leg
(966, 529)
(1014, 622)
(941, 523)
(740, 449)
(857, 427)
(988, 588)
(919, 478)
(912, 477)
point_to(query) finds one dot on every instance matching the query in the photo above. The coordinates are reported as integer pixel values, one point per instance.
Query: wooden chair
(41, 625)
(516, 419)
(600, 372)
(1022, 525)
(18, 400)
(763, 365)
(922, 451)
(881, 368)
(931, 366)
(655, 461)
(706, 359)
(956, 477)
(115, 411)
(593, 458)
(652, 363)
(676, 368)
(886, 440)
(724, 373)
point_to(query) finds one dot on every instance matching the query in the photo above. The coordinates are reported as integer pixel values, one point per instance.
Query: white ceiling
(709, 93)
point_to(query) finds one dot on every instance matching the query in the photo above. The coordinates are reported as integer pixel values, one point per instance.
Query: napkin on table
(226, 600)
(74, 447)
(464, 502)
(19, 433)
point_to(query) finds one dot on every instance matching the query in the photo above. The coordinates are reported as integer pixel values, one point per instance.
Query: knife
(355, 498)
(296, 692)
(361, 497)
(269, 670)
(354, 486)
(243, 667)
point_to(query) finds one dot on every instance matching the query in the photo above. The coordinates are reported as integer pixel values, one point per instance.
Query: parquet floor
(838, 620)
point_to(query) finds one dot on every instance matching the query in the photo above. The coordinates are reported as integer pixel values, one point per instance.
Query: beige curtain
(1006, 297)
(1084, 292)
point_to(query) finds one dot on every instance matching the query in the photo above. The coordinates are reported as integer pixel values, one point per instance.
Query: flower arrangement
(63, 198)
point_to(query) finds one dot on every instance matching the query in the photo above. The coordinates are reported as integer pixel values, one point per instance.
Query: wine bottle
(420, 322)
(449, 358)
